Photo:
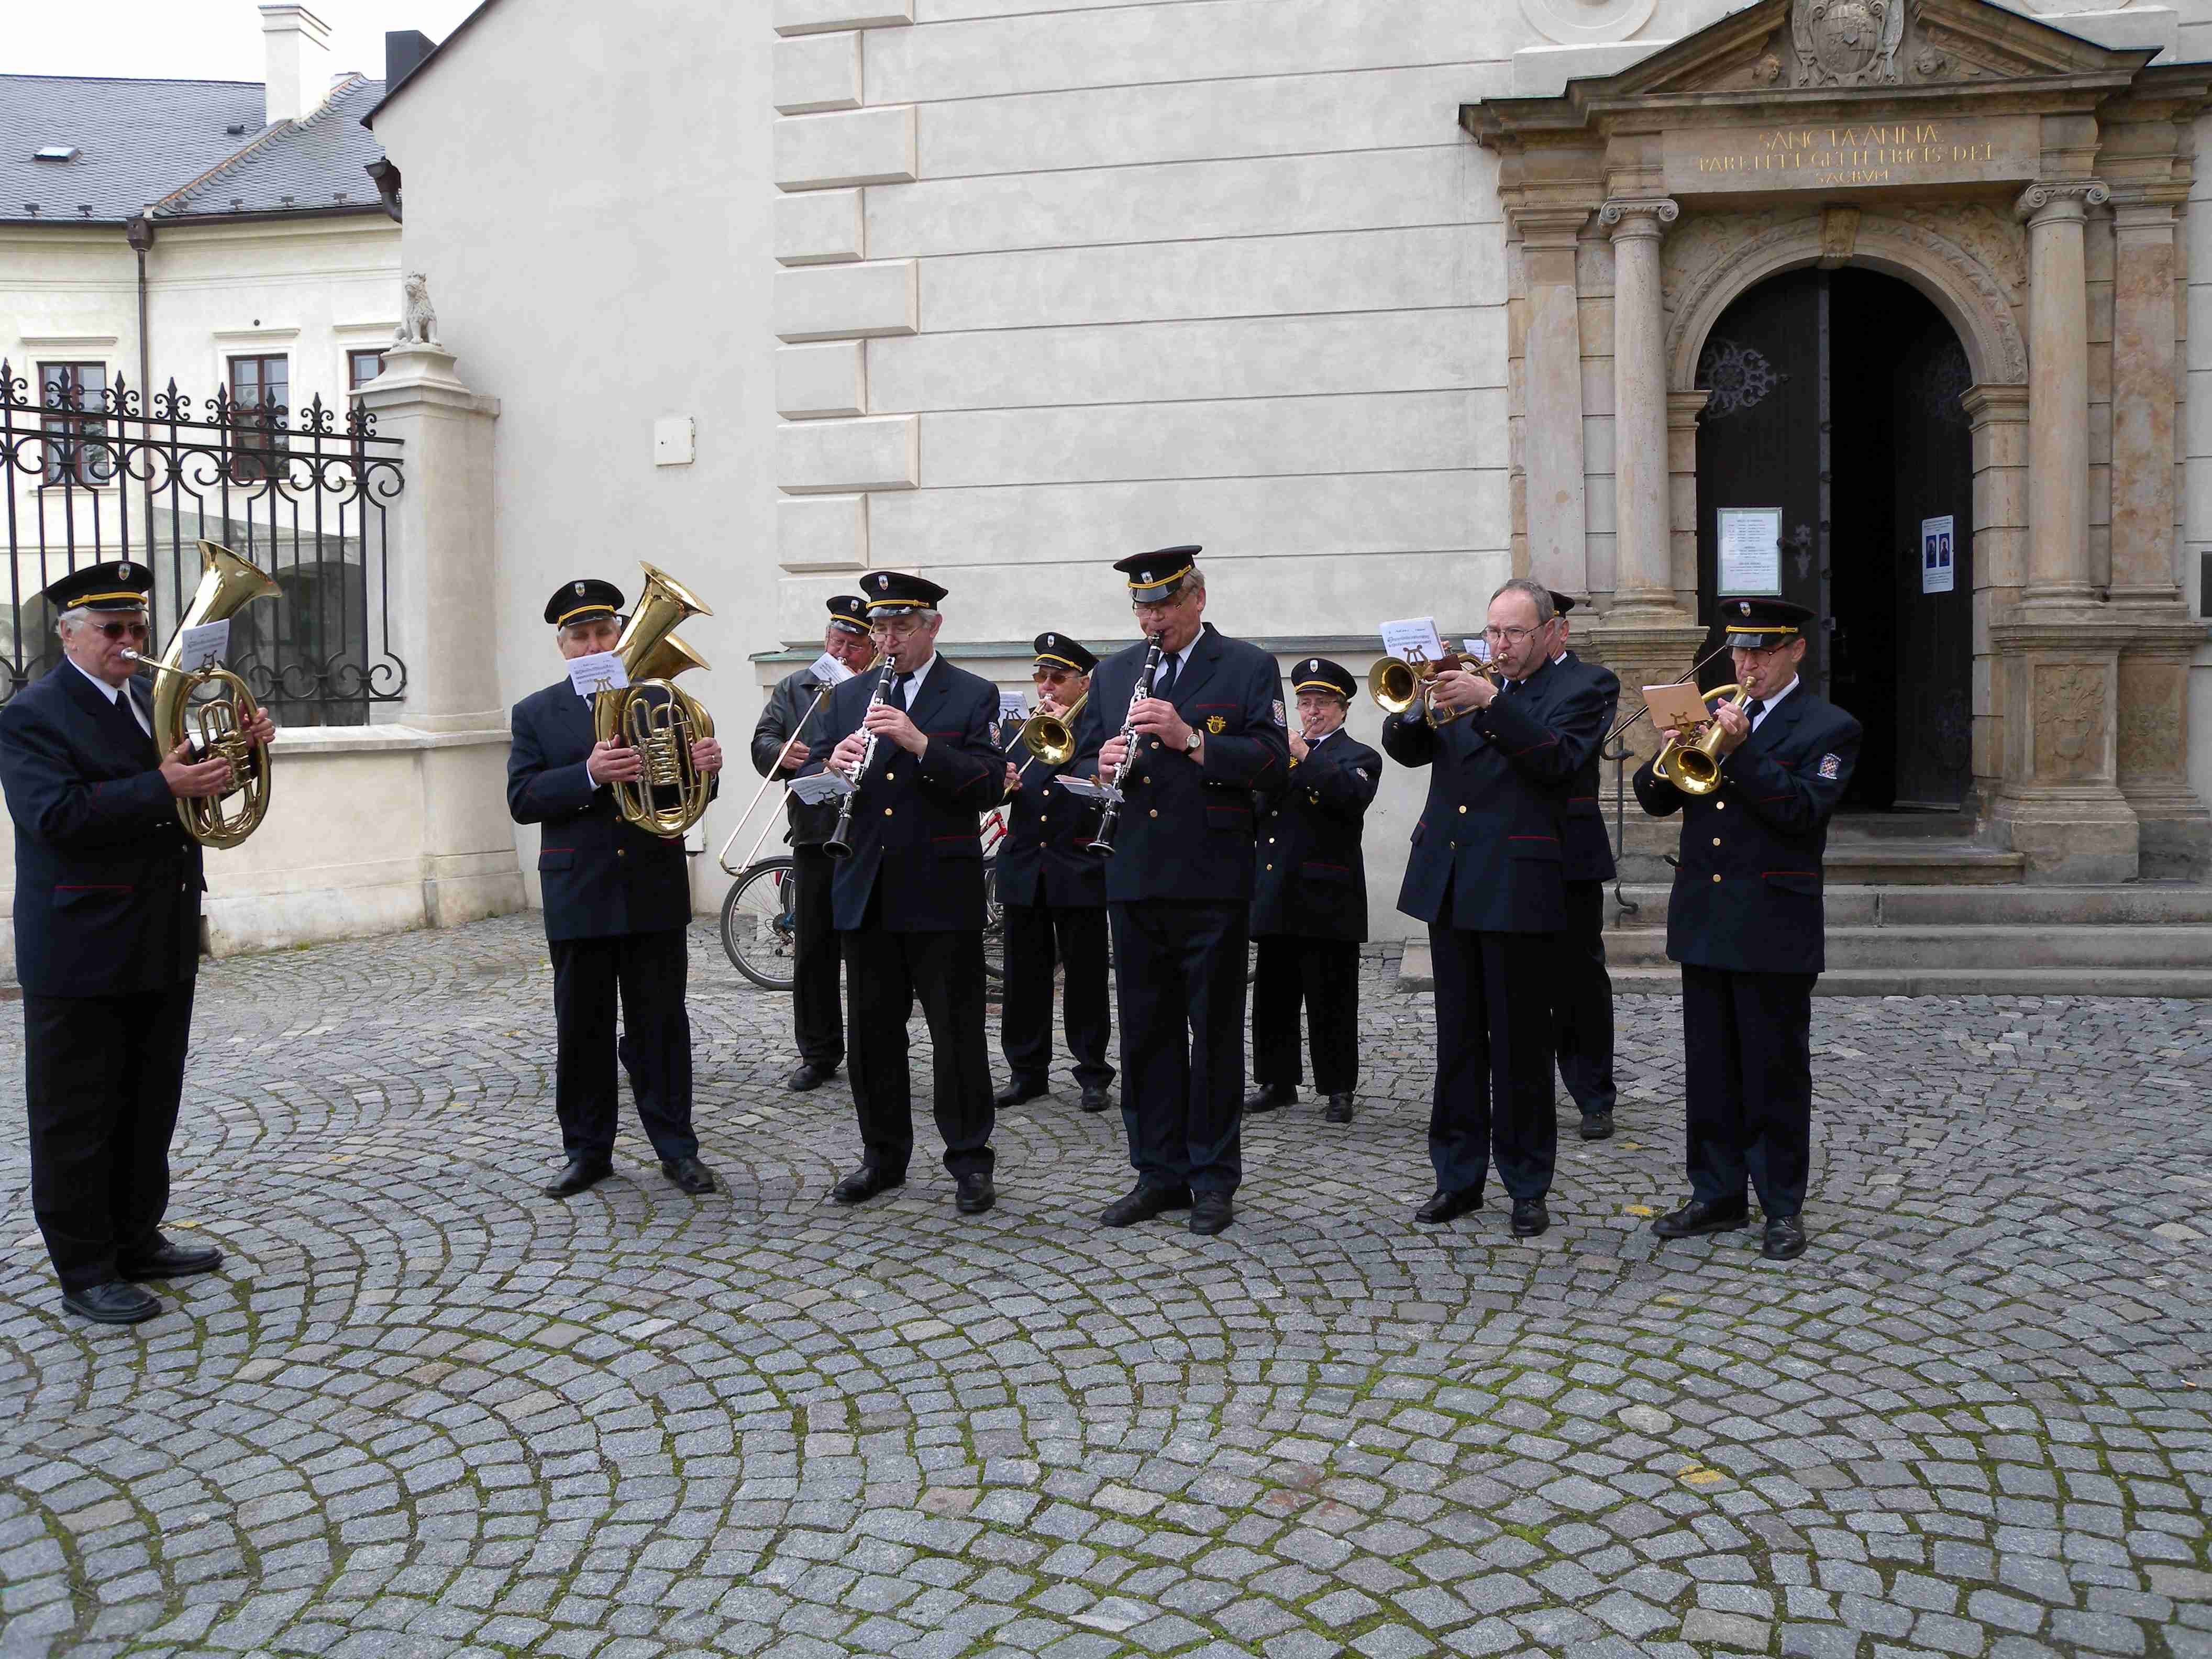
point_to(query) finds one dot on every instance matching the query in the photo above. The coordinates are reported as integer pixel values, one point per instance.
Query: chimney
(403, 50)
(297, 42)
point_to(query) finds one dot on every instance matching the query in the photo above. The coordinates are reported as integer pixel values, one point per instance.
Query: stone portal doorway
(1835, 400)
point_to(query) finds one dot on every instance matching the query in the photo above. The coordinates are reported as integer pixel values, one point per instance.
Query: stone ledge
(305, 740)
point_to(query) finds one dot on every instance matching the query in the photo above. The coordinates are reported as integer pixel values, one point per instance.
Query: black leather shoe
(1018, 1092)
(1785, 1239)
(170, 1261)
(1695, 1218)
(1342, 1107)
(864, 1183)
(1142, 1203)
(976, 1193)
(1094, 1099)
(1597, 1126)
(690, 1174)
(1268, 1096)
(1444, 1207)
(581, 1173)
(111, 1304)
(809, 1076)
(1211, 1212)
(1529, 1218)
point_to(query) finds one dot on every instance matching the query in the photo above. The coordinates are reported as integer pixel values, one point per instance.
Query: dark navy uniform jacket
(1312, 877)
(916, 828)
(1492, 833)
(601, 876)
(787, 707)
(1046, 857)
(1747, 886)
(1186, 829)
(107, 883)
(1589, 848)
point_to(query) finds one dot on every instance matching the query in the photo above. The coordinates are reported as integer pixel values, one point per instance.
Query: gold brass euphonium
(654, 716)
(1051, 738)
(1694, 768)
(216, 726)
(1399, 685)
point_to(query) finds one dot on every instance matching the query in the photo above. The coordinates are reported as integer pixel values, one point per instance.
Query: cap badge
(121, 571)
(1744, 605)
(580, 590)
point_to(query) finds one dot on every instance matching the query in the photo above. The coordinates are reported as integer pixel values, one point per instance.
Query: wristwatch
(1191, 743)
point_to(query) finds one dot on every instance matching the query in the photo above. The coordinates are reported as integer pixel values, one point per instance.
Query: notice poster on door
(1935, 566)
(1750, 549)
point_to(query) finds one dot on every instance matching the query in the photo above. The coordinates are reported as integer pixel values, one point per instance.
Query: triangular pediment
(1811, 49)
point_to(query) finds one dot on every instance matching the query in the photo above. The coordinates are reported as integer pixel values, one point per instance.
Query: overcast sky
(198, 39)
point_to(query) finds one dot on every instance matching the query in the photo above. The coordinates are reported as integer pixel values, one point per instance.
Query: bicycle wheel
(994, 925)
(758, 933)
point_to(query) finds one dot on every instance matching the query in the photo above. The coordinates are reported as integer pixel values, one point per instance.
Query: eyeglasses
(116, 630)
(896, 627)
(1512, 636)
(1142, 605)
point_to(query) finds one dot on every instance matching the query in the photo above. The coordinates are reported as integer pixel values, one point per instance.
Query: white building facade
(1381, 304)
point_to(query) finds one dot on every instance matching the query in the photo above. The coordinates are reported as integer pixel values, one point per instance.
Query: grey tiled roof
(166, 143)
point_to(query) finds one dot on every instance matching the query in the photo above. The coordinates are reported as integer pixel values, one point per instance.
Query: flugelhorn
(654, 716)
(1400, 685)
(213, 725)
(1051, 738)
(1694, 768)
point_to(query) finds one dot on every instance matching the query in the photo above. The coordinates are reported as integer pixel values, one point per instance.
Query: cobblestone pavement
(428, 1412)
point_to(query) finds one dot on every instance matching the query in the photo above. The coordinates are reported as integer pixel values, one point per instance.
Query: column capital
(1684, 408)
(2061, 199)
(1639, 216)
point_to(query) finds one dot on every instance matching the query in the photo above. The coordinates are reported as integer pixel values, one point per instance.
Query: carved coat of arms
(1848, 43)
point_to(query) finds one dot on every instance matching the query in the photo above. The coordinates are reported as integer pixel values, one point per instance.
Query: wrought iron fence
(89, 477)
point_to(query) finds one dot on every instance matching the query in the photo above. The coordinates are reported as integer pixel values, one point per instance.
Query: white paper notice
(1937, 569)
(1750, 549)
(1084, 788)
(601, 670)
(208, 643)
(1414, 637)
(816, 787)
(828, 671)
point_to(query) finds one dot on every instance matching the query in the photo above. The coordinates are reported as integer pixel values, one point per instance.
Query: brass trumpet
(216, 726)
(1694, 768)
(661, 729)
(1398, 686)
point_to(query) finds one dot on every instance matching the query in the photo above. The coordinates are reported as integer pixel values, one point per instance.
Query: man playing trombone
(1484, 875)
(1052, 893)
(107, 943)
(1746, 919)
(617, 901)
(779, 749)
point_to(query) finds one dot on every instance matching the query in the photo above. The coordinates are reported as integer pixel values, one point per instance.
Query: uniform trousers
(1583, 999)
(1493, 1090)
(1180, 965)
(102, 1078)
(1322, 975)
(645, 972)
(818, 1018)
(1037, 937)
(886, 973)
(1749, 1079)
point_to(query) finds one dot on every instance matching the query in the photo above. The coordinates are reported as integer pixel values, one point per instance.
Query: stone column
(2144, 399)
(1552, 390)
(442, 578)
(1643, 582)
(2058, 392)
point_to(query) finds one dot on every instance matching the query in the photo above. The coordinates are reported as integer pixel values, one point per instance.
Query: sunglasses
(136, 630)
(1057, 676)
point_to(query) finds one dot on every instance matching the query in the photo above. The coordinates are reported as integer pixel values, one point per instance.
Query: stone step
(1882, 862)
(2163, 982)
(2089, 953)
(2158, 903)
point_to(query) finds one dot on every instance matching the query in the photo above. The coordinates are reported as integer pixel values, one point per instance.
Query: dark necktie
(127, 723)
(1753, 709)
(899, 688)
(1163, 686)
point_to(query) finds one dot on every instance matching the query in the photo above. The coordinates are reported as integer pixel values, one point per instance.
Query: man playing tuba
(617, 900)
(107, 936)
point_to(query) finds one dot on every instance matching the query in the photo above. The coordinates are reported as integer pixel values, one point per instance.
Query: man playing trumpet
(617, 901)
(1052, 894)
(107, 943)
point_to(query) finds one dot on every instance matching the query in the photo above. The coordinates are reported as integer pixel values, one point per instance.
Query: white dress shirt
(112, 692)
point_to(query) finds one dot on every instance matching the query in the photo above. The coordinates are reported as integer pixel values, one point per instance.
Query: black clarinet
(1104, 840)
(840, 844)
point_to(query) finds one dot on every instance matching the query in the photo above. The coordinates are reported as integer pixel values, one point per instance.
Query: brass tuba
(1694, 767)
(661, 728)
(1051, 738)
(213, 725)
